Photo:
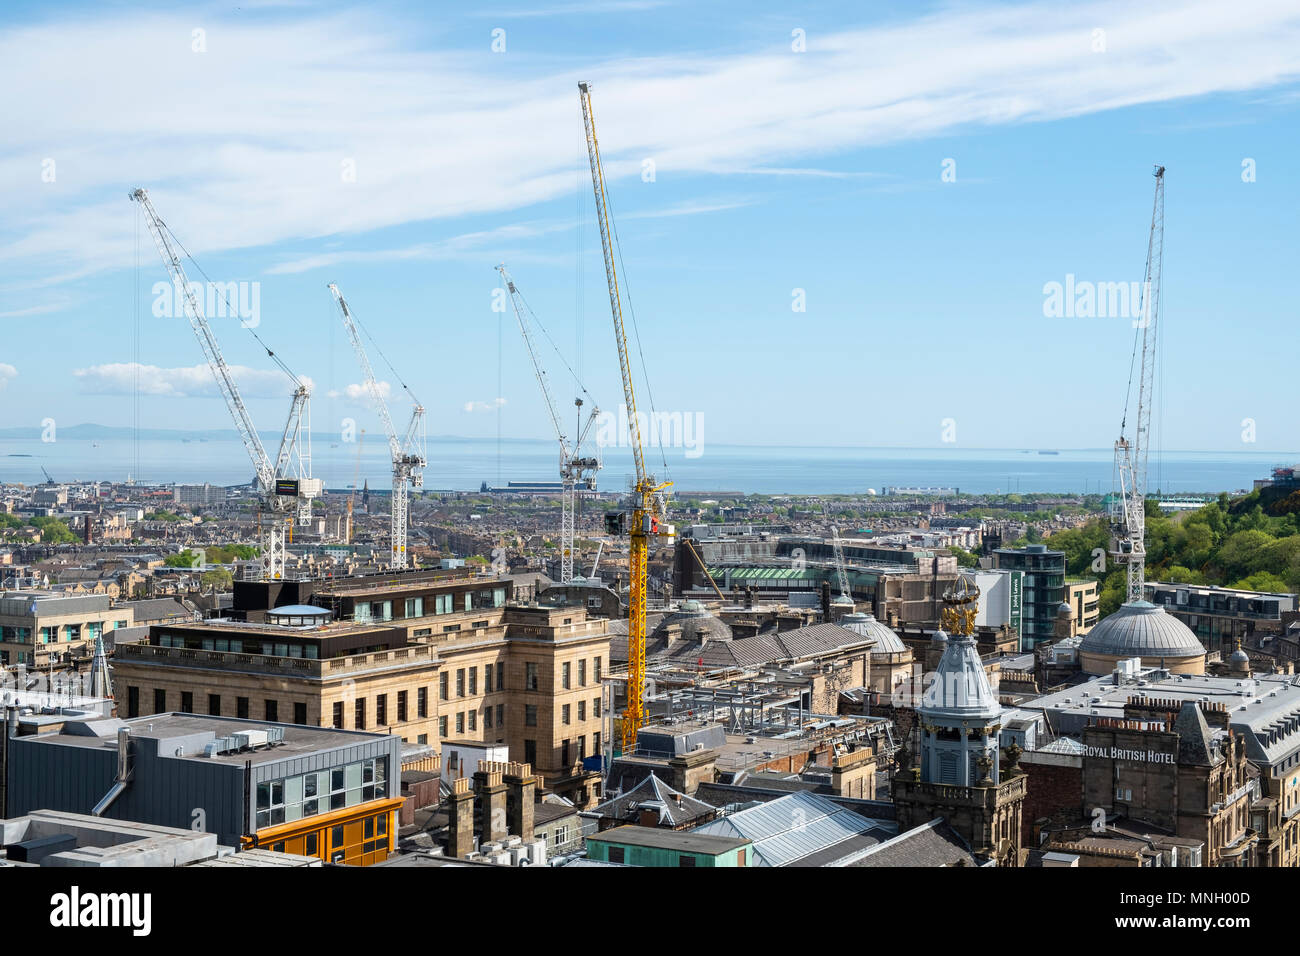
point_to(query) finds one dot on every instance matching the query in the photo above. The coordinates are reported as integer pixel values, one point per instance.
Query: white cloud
(119, 378)
(475, 407)
(359, 393)
(6, 373)
(224, 175)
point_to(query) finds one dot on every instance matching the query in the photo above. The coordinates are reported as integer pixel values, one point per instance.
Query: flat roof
(1265, 708)
(678, 840)
(299, 740)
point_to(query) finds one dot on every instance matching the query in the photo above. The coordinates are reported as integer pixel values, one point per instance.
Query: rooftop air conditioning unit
(251, 739)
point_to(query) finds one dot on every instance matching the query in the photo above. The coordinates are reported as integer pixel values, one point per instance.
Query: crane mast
(284, 487)
(575, 470)
(846, 595)
(647, 506)
(407, 451)
(1128, 509)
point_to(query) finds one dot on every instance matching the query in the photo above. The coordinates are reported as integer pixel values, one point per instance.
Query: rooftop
(677, 840)
(183, 736)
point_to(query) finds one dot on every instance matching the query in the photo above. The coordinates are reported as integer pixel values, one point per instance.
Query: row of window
(569, 749)
(293, 798)
(383, 717)
(90, 631)
(162, 700)
(531, 681)
(366, 611)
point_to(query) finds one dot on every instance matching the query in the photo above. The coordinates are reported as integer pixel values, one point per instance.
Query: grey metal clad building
(174, 782)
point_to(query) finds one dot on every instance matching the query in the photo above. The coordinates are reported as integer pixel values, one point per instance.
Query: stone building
(960, 777)
(426, 659)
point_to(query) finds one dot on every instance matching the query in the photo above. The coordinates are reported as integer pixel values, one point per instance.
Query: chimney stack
(521, 794)
(491, 794)
(460, 825)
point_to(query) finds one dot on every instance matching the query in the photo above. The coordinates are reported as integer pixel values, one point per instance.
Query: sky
(838, 223)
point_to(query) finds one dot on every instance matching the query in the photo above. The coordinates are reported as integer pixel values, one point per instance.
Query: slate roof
(675, 808)
(1195, 742)
(935, 844)
(803, 643)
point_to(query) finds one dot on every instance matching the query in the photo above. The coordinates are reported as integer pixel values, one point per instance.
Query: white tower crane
(846, 595)
(1128, 509)
(285, 487)
(575, 469)
(408, 450)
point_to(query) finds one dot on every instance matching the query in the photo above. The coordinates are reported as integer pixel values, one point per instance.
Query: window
(530, 715)
(616, 854)
(443, 604)
(415, 607)
(530, 752)
(582, 710)
(582, 672)
(442, 686)
(595, 743)
(241, 708)
(473, 681)
(501, 715)
(299, 712)
(133, 701)
(187, 702)
(501, 675)
(595, 670)
(564, 753)
(460, 682)
(360, 711)
(582, 748)
(272, 710)
(422, 739)
(564, 674)
(422, 702)
(595, 707)
(473, 721)
(487, 718)
(381, 710)
(487, 679)
(214, 705)
(530, 676)
(686, 860)
(460, 722)
(338, 715)
(401, 706)
(442, 726)
(561, 835)
(564, 715)
(159, 701)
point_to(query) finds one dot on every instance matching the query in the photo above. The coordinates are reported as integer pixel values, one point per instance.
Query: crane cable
(251, 331)
(636, 331)
(400, 381)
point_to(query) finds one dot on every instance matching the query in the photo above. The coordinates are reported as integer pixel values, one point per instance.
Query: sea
(464, 464)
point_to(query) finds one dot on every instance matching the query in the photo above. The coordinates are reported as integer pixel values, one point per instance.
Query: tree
(217, 579)
(1262, 581)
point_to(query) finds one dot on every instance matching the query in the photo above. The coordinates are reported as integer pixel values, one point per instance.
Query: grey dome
(939, 637)
(960, 688)
(1239, 657)
(887, 642)
(693, 618)
(1142, 629)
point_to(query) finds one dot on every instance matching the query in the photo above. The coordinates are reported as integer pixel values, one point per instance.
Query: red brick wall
(1053, 792)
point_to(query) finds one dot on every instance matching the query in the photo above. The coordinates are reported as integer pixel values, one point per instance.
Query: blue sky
(774, 170)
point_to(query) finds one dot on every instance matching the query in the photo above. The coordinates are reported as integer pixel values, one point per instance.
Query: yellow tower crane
(647, 501)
